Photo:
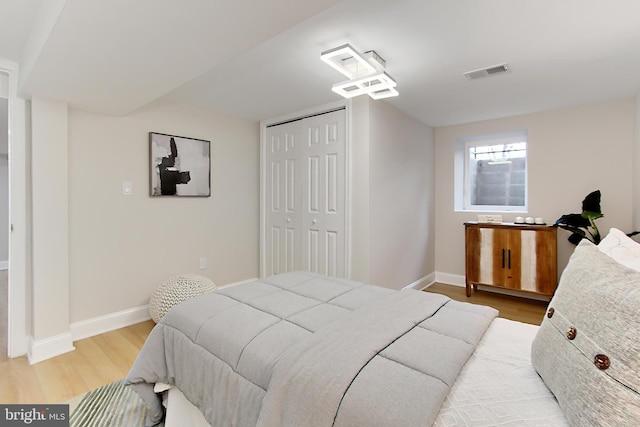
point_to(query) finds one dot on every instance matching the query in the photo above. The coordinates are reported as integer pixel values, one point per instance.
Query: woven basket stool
(176, 290)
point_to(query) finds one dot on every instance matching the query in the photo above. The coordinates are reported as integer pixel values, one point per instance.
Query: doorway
(16, 224)
(4, 222)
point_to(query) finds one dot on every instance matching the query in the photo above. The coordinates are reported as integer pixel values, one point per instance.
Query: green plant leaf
(592, 215)
(573, 230)
(575, 238)
(573, 220)
(582, 225)
(591, 203)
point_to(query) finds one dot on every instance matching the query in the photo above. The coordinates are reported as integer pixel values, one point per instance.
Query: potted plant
(583, 225)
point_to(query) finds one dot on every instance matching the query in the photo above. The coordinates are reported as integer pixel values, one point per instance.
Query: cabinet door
(484, 255)
(545, 277)
(507, 258)
(473, 255)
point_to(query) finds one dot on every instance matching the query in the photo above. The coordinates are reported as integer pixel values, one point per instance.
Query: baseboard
(109, 322)
(242, 282)
(450, 279)
(120, 319)
(49, 347)
(422, 283)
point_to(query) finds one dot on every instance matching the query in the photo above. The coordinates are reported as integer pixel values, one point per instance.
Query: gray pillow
(587, 349)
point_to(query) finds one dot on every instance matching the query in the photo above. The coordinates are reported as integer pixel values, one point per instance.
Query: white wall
(571, 152)
(399, 187)
(50, 216)
(123, 247)
(359, 197)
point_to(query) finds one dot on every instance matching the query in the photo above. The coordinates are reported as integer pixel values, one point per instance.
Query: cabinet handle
(509, 259)
(503, 258)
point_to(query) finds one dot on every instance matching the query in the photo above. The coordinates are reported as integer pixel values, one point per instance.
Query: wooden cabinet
(511, 256)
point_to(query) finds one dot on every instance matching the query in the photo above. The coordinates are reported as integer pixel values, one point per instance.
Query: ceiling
(260, 58)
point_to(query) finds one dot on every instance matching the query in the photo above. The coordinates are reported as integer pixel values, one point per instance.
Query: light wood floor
(96, 361)
(108, 357)
(515, 308)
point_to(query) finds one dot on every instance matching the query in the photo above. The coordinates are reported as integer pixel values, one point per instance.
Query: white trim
(306, 112)
(120, 319)
(109, 322)
(423, 282)
(450, 279)
(348, 186)
(346, 104)
(17, 340)
(262, 238)
(458, 280)
(4, 265)
(462, 182)
(49, 347)
(242, 282)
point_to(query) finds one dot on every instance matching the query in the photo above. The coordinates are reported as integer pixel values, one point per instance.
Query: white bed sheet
(180, 412)
(497, 387)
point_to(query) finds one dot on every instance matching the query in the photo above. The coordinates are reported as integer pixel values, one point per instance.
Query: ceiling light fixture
(368, 84)
(347, 61)
(384, 93)
(366, 73)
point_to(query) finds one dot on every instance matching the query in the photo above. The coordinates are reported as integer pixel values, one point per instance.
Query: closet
(304, 202)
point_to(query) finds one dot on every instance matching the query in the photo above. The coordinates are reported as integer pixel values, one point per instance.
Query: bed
(300, 349)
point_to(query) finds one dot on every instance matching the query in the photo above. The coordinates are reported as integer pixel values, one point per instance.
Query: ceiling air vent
(488, 71)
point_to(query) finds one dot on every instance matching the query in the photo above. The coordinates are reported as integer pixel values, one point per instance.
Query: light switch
(127, 188)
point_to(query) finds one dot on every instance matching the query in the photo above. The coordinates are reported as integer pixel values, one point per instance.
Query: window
(491, 172)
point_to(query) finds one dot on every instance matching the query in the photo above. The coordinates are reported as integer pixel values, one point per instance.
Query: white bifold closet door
(306, 195)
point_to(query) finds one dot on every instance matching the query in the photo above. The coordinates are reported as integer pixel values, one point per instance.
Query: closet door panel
(313, 251)
(274, 250)
(324, 193)
(313, 178)
(283, 199)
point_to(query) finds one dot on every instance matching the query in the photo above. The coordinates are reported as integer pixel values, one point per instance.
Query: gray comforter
(300, 349)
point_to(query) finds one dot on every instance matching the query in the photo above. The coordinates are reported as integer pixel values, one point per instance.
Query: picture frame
(179, 166)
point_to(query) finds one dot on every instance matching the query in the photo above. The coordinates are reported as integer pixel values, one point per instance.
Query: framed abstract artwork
(179, 166)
